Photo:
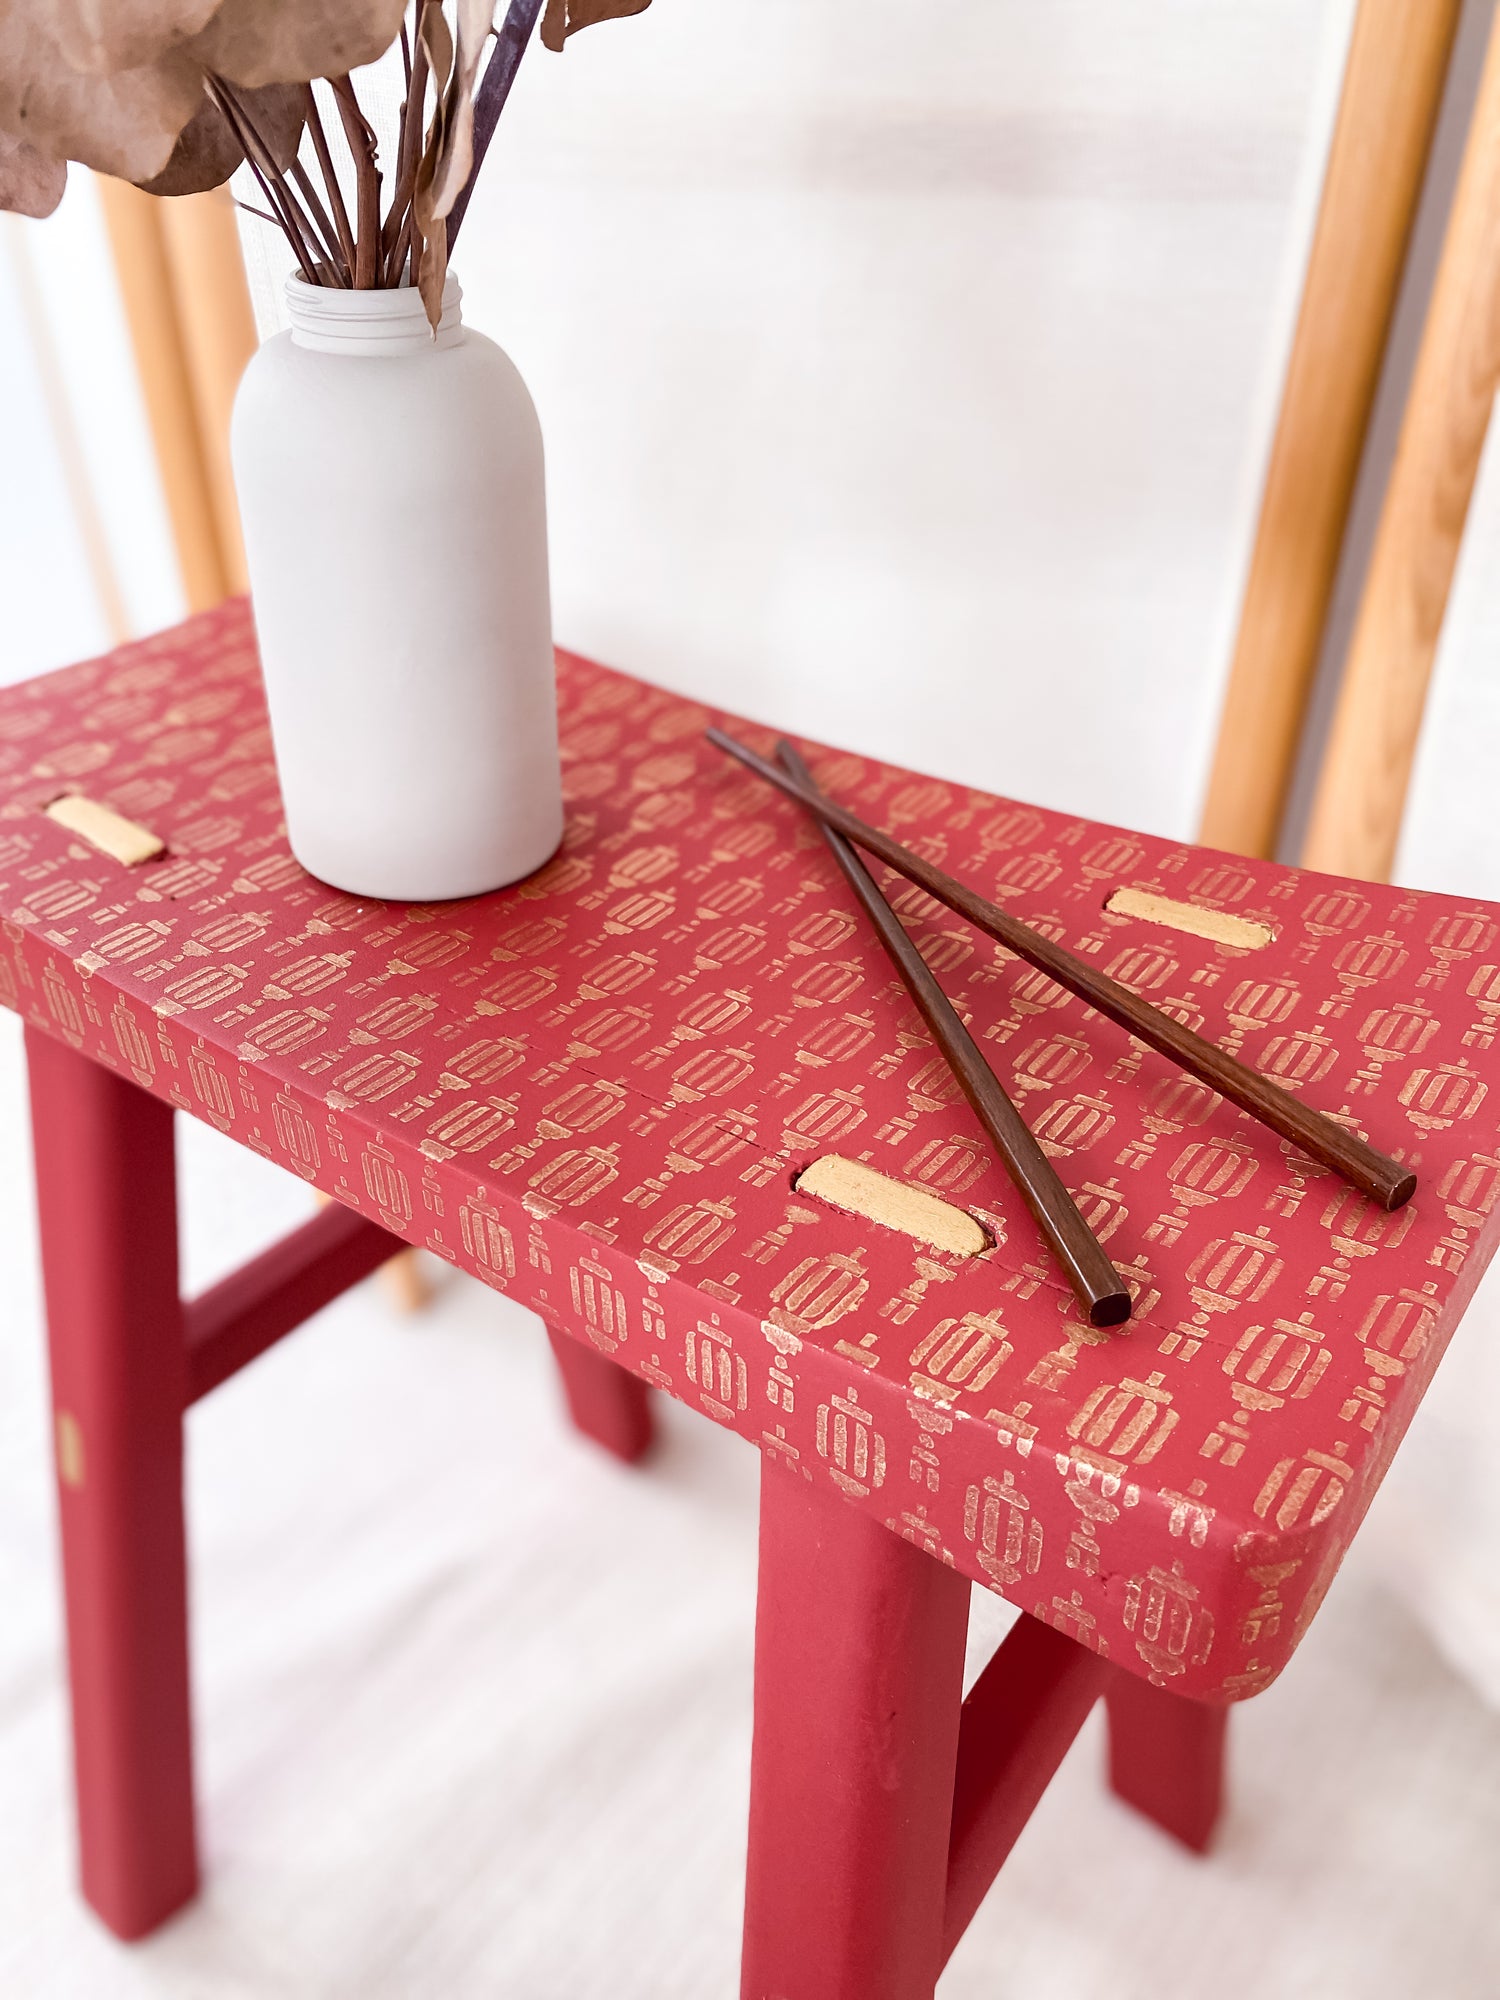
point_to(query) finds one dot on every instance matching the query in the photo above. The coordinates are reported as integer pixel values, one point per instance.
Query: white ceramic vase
(394, 511)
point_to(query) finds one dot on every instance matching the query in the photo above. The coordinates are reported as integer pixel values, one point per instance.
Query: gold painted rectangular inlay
(1216, 925)
(862, 1190)
(106, 829)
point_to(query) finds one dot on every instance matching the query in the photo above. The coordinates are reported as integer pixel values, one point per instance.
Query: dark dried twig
(409, 146)
(361, 137)
(328, 235)
(331, 181)
(489, 99)
(272, 181)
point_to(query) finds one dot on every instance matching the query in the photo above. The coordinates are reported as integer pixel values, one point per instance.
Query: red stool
(596, 1091)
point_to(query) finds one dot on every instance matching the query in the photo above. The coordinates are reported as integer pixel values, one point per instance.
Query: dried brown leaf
(566, 17)
(293, 41)
(100, 36)
(125, 124)
(31, 183)
(432, 268)
(475, 19)
(207, 151)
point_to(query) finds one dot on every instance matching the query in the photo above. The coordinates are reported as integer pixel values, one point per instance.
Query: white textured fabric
(473, 1708)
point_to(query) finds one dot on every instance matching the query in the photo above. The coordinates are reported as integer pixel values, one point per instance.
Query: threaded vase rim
(386, 321)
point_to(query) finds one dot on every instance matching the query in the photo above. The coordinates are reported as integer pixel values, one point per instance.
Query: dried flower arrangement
(175, 94)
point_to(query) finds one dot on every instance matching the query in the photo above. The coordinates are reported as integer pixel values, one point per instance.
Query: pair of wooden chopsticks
(1095, 1282)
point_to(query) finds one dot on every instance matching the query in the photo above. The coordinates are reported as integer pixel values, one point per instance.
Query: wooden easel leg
(1166, 1757)
(606, 1404)
(859, 1646)
(106, 1202)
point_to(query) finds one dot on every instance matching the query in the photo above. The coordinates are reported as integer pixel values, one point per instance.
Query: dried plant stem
(261, 214)
(408, 150)
(398, 250)
(328, 235)
(489, 99)
(272, 181)
(366, 184)
(330, 181)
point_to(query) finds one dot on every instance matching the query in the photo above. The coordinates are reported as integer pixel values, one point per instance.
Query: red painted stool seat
(595, 1091)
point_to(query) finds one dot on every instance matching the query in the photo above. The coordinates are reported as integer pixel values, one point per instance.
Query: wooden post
(1393, 84)
(144, 269)
(217, 325)
(1361, 792)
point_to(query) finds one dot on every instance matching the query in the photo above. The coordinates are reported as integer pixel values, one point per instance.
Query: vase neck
(373, 323)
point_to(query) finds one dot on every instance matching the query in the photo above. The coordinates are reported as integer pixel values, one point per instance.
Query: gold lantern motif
(310, 975)
(471, 1126)
(836, 1039)
(286, 1031)
(1016, 826)
(1391, 1034)
(1436, 1098)
(1452, 939)
(388, 1187)
(948, 1166)
(208, 986)
(481, 1063)
(1296, 1060)
(210, 1087)
(1127, 1421)
(1308, 1489)
(999, 1520)
(818, 1292)
(1234, 1271)
(1025, 874)
(513, 991)
(487, 1240)
(599, 1302)
(529, 938)
(717, 1371)
(1074, 1124)
(1172, 1629)
(376, 1077)
(1267, 1367)
(1484, 990)
(854, 1449)
(1116, 855)
(692, 1232)
(573, 1178)
(1051, 1063)
(711, 1073)
(1364, 962)
(823, 1119)
(130, 1039)
(295, 1135)
(959, 1355)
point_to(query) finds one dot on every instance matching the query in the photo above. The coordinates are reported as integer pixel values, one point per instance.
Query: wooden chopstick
(1096, 1283)
(1323, 1139)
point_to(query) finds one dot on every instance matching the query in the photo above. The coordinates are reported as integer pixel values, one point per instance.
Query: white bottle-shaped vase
(394, 512)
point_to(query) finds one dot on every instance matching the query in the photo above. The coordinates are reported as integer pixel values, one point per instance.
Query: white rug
(473, 1708)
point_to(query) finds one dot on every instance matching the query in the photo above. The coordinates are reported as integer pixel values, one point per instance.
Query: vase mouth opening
(390, 320)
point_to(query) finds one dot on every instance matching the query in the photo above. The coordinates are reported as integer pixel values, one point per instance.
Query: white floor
(473, 1709)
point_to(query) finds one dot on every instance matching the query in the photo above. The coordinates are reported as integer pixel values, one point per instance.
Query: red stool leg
(1166, 1757)
(106, 1200)
(859, 1647)
(605, 1402)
